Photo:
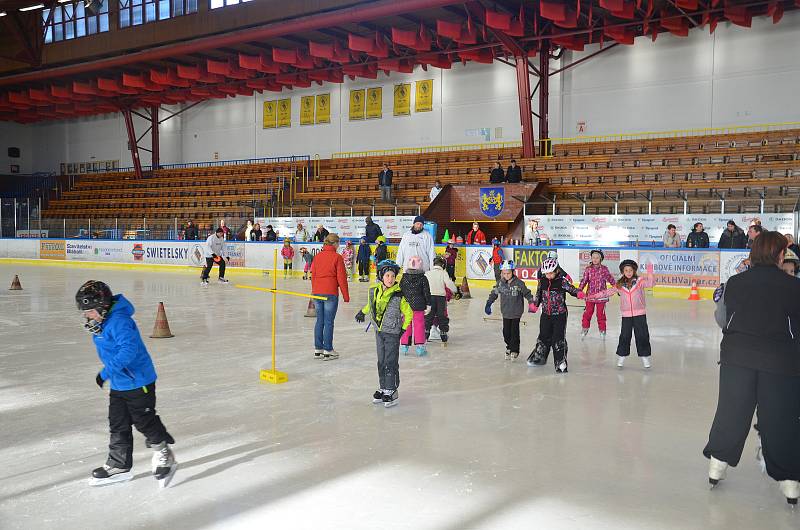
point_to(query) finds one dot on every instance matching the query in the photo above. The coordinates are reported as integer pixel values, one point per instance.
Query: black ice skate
(109, 475)
(377, 397)
(390, 400)
(164, 464)
(538, 356)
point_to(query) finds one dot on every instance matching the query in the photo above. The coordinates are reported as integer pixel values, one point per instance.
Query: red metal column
(544, 95)
(525, 117)
(155, 163)
(132, 143)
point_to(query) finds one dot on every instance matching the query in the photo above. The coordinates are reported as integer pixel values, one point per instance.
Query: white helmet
(549, 265)
(552, 254)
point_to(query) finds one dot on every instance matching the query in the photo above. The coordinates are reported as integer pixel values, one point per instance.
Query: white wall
(736, 76)
(15, 135)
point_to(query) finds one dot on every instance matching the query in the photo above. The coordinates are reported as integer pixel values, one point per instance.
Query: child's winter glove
(360, 316)
(99, 380)
(581, 295)
(532, 307)
(488, 308)
(650, 268)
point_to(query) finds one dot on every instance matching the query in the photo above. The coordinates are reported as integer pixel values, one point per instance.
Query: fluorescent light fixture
(2, 13)
(31, 8)
(64, 1)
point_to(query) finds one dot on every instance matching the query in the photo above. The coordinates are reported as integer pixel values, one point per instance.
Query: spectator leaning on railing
(672, 238)
(698, 238)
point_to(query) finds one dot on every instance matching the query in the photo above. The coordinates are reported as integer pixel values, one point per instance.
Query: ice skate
(716, 471)
(390, 398)
(508, 354)
(790, 490)
(620, 361)
(646, 362)
(164, 464)
(377, 397)
(443, 336)
(538, 356)
(223, 281)
(109, 475)
(404, 349)
(330, 356)
(603, 335)
(421, 350)
(560, 351)
(318, 354)
(514, 355)
(584, 332)
(203, 283)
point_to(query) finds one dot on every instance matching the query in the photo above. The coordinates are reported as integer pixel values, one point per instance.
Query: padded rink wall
(674, 269)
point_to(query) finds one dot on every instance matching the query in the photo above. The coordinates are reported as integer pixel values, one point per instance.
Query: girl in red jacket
(630, 289)
(596, 276)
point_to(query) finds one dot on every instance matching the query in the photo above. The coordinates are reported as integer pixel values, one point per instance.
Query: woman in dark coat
(760, 367)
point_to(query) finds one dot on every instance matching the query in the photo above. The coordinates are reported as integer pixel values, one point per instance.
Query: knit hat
(419, 219)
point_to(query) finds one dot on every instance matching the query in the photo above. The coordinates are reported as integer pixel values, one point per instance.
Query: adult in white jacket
(439, 281)
(213, 251)
(417, 242)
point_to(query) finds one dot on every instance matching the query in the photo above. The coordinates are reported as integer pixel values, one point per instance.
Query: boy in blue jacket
(132, 378)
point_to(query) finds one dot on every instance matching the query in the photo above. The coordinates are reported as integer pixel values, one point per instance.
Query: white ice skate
(164, 464)
(717, 469)
(620, 361)
(790, 490)
(330, 356)
(646, 362)
(109, 475)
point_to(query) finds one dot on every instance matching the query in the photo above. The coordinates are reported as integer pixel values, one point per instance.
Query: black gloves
(99, 380)
(213, 255)
(360, 316)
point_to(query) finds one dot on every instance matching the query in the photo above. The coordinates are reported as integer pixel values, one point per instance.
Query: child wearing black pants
(129, 370)
(439, 283)
(512, 293)
(363, 259)
(551, 297)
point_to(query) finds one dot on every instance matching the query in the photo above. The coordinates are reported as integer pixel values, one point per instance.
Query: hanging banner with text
(284, 113)
(307, 110)
(270, 114)
(424, 97)
(356, 105)
(323, 108)
(402, 99)
(374, 103)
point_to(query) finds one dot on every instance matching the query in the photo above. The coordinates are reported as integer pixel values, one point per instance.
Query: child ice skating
(348, 255)
(497, 258)
(363, 260)
(512, 293)
(381, 251)
(439, 283)
(417, 292)
(450, 257)
(287, 253)
(307, 258)
(390, 315)
(633, 307)
(131, 376)
(213, 251)
(596, 276)
(551, 297)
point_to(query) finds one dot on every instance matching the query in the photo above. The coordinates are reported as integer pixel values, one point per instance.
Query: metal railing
(425, 149)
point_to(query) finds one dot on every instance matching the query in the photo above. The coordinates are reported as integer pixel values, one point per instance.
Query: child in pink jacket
(287, 253)
(596, 276)
(348, 255)
(630, 289)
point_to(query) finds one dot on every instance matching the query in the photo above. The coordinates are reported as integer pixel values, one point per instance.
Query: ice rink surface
(475, 442)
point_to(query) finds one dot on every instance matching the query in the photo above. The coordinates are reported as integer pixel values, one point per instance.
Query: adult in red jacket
(328, 277)
(476, 235)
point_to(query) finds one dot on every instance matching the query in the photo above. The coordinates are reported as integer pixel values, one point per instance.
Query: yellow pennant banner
(357, 104)
(270, 114)
(402, 99)
(424, 99)
(307, 110)
(324, 108)
(374, 103)
(284, 113)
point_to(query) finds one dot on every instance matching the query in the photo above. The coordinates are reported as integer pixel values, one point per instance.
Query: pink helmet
(414, 263)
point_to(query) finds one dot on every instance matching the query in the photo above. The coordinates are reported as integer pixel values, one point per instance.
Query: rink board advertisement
(609, 229)
(731, 262)
(675, 268)
(393, 227)
(52, 249)
(527, 261)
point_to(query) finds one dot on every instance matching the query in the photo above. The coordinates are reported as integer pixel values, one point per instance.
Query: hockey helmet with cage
(94, 295)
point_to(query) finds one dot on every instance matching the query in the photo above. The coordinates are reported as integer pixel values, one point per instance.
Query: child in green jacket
(390, 313)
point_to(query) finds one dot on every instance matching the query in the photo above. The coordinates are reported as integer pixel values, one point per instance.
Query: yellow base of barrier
(274, 377)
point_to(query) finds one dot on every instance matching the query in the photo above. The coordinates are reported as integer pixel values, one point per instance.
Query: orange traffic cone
(465, 289)
(161, 327)
(15, 285)
(311, 311)
(693, 294)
